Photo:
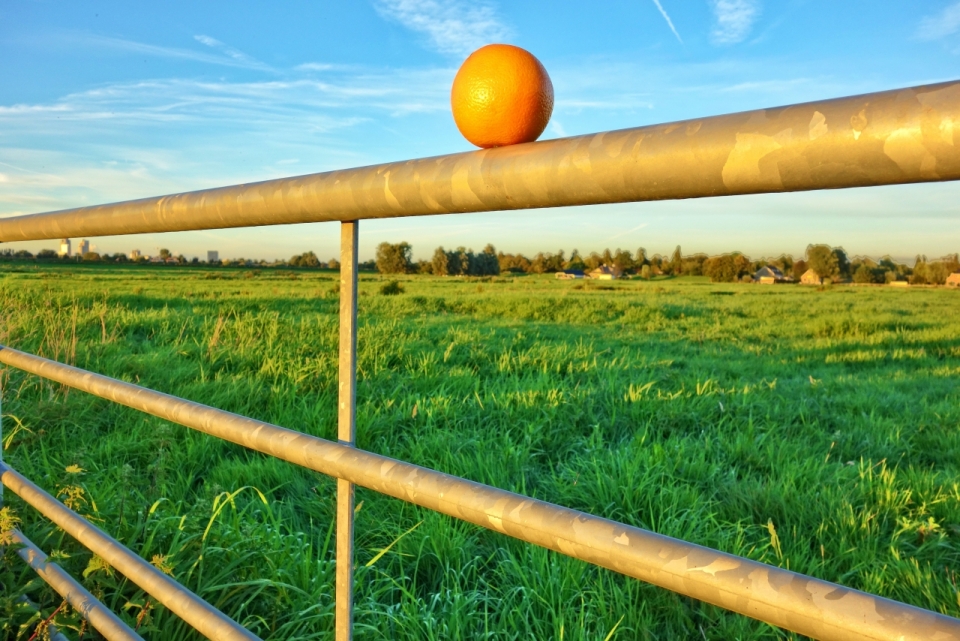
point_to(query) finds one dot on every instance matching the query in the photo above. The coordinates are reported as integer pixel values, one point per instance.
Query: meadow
(816, 430)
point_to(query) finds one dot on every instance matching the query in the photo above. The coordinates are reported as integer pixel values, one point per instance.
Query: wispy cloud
(946, 23)
(239, 57)
(666, 17)
(734, 20)
(454, 27)
(629, 231)
(236, 59)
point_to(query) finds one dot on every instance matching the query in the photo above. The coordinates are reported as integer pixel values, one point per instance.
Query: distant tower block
(64, 247)
(134, 254)
(83, 248)
(213, 257)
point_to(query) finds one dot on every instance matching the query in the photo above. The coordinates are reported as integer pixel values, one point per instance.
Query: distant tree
(46, 254)
(92, 257)
(623, 260)
(440, 262)
(641, 258)
(306, 259)
(164, 254)
(593, 261)
(799, 268)
(333, 263)
(487, 263)
(424, 267)
(863, 275)
(575, 262)
(727, 268)
(823, 260)
(394, 258)
(843, 264)
(645, 272)
(539, 264)
(676, 262)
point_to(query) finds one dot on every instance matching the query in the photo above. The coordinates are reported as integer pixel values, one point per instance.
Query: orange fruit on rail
(501, 95)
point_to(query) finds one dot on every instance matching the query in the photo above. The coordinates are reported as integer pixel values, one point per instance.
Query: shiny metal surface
(892, 137)
(206, 619)
(816, 608)
(79, 598)
(346, 424)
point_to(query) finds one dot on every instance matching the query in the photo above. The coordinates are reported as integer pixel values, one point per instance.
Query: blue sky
(103, 101)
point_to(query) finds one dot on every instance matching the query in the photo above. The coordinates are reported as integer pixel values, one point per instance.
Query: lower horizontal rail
(102, 619)
(52, 631)
(804, 604)
(205, 618)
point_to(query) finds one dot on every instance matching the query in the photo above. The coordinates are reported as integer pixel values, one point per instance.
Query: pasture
(813, 430)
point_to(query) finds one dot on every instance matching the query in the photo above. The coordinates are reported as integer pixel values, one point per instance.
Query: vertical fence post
(346, 424)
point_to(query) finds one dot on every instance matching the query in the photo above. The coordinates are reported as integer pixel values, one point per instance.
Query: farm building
(769, 275)
(605, 272)
(811, 277)
(953, 280)
(570, 274)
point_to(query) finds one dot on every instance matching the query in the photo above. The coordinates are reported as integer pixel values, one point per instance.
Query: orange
(501, 95)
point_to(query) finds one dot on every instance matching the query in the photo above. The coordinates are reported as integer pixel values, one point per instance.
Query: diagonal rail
(205, 618)
(786, 599)
(893, 137)
(103, 620)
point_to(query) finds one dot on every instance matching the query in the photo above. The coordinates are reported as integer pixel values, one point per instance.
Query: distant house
(605, 272)
(811, 277)
(769, 275)
(570, 274)
(953, 280)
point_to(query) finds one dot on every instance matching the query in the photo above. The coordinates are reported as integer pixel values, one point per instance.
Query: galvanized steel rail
(79, 598)
(205, 618)
(787, 599)
(892, 137)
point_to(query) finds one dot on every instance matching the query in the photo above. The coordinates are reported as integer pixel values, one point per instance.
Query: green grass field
(814, 430)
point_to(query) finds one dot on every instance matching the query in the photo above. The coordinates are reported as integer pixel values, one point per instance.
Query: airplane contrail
(669, 21)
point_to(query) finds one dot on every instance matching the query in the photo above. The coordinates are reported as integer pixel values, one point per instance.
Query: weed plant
(813, 430)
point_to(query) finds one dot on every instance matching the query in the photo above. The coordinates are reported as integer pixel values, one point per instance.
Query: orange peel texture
(501, 96)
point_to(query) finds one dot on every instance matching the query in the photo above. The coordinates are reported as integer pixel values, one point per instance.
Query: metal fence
(895, 137)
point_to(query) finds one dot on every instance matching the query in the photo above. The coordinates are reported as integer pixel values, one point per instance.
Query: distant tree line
(828, 263)
(397, 258)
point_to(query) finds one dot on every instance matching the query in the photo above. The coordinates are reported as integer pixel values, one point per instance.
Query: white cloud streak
(734, 20)
(946, 23)
(239, 57)
(454, 28)
(666, 17)
(236, 59)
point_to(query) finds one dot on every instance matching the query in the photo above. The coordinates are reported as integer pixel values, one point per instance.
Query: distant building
(769, 275)
(64, 247)
(898, 283)
(811, 277)
(953, 280)
(83, 247)
(570, 274)
(605, 272)
(213, 257)
(135, 254)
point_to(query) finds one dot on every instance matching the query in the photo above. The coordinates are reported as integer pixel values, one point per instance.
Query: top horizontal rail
(892, 137)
